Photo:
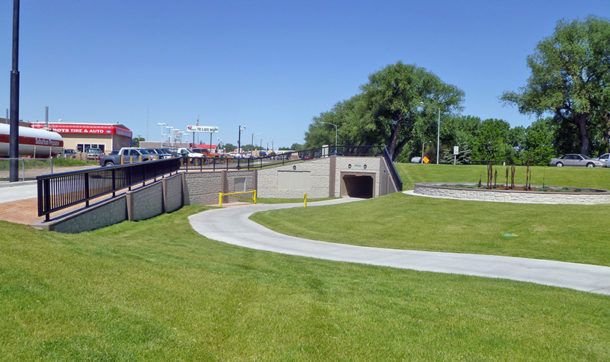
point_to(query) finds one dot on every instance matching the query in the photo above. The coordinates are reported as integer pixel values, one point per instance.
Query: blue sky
(269, 65)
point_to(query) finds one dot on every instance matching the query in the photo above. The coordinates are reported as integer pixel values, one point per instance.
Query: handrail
(393, 170)
(62, 190)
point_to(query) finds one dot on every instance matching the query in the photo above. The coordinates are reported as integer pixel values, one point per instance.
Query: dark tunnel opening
(358, 186)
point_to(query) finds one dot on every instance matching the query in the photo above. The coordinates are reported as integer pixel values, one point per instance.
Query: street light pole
(241, 128)
(13, 152)
(438, 134)
(332, 124)
(438, 131)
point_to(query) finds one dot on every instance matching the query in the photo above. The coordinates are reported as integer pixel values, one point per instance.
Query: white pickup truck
(185, 152)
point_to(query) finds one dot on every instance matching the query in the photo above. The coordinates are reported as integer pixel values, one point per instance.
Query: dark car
(68, 153)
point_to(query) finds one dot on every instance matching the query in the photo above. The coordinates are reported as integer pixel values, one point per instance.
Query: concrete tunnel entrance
(360, 186)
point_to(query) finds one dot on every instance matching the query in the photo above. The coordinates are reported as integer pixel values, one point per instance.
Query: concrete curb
(244, 232)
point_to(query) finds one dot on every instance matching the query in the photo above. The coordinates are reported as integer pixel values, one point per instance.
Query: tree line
(568, 91)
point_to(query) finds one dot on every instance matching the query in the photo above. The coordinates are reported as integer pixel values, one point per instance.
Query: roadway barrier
(237, 195)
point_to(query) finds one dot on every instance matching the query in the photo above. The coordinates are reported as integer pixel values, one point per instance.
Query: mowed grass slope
(575, 233)
(157, 290)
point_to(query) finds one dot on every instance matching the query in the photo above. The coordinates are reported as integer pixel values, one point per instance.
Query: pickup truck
(206, 152)
(185, 152)
(129, 154)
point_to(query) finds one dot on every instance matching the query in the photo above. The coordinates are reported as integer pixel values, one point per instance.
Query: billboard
(205, 129)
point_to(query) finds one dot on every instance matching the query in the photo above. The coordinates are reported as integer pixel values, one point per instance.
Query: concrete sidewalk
(232, 226)
(14, 191)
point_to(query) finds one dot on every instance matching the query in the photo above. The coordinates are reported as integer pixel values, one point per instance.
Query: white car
(605, 158)
(185, 152)
(575, 159)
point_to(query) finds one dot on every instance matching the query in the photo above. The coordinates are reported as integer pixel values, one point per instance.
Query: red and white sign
(85, 129)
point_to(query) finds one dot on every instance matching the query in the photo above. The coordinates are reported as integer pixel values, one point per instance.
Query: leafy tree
(387, 110)
(393, 98)
(570, 74)
(136, 141)
(517, 142)
(491, 141)
(539, 138)
(346, 116)
(229, 147)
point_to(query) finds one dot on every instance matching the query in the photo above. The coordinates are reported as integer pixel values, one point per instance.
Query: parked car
(576, 160)
(68, 153)
(605, 158)
(170, 152)
(158, 153)
(416, 159)
(94, 154)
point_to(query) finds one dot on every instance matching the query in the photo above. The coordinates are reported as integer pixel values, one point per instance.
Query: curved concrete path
(231, 225)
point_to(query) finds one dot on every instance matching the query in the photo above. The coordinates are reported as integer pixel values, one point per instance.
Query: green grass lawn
(576, 233)
(57, 162)
(559, 232)
(157, 290)
(551, 176)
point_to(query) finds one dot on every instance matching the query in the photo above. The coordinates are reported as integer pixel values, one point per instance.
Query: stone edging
(527, 197)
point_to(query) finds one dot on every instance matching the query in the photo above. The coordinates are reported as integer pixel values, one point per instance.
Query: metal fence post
(87, 189)
(113, 182)
(47, 198)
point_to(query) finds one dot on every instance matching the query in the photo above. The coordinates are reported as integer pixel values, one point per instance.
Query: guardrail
(62, 190)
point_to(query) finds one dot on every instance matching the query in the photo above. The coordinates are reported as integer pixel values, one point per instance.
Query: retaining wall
(146, 202)
(202, 188)
(295, 179)
(526, 197)
(97, 216)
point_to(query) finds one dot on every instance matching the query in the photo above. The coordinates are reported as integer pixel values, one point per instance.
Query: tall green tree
(539, 142)
(570, 76)
(394, 97)
(491, 142)
(393, 101)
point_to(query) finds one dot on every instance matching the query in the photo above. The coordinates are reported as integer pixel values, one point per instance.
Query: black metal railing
(393, 170)
(202, 163)
(62, 190)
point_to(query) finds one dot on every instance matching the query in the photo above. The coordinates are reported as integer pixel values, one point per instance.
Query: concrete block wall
(139, 204)
(239, 181)
(202, 188)
(145, 202)
(172, 193)
(97, 216)
(387, 186)
(295, 179)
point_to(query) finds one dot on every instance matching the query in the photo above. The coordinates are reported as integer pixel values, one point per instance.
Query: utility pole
(438, 134)
(13, 153)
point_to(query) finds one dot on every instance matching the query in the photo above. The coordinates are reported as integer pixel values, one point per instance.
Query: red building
(82, 136)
